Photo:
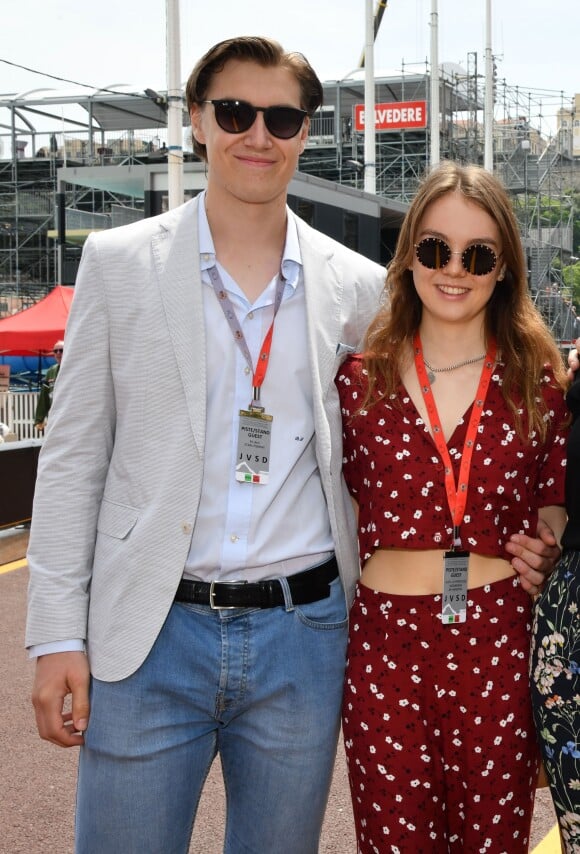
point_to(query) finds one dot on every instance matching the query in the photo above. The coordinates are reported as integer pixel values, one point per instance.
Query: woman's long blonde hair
(524, 341)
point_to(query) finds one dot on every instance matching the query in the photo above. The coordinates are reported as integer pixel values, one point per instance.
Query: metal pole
(16, 232)
(434, 120)
(488, 103)
(174, 107)
(60, 233)
(370, 183)
(338, 131)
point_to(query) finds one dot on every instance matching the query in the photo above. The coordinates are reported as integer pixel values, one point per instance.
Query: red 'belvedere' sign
(396, 115)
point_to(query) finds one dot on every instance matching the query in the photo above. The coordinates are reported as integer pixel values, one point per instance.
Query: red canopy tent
(36, 329)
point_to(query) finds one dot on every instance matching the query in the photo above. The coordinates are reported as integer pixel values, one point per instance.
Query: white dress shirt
(253, 531)
(246, 531)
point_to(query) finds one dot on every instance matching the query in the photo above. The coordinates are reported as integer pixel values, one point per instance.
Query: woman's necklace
(432, 371)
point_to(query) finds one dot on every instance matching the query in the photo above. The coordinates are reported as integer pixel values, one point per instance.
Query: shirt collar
(291, 257)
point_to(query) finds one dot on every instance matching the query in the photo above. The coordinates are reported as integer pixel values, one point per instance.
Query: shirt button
(234, 538)
(247, 370)
(251, 315)
(186, 527)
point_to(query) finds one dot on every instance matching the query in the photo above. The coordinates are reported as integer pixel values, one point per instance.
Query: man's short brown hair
(263, 51)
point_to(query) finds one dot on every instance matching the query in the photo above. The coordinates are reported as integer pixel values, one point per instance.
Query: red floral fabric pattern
(393, 469)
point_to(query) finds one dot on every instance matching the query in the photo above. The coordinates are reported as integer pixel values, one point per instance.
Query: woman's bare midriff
(407, 571)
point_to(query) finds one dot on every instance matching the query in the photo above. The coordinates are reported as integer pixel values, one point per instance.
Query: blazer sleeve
(72, 468)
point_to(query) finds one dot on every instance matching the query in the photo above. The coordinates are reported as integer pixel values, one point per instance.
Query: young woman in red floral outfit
(454, 431)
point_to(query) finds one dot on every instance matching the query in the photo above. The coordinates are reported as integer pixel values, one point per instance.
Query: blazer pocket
(116, 520)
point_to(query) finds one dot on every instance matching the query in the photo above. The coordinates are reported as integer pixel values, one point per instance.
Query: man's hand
(58, 675)
(40, 426)
(534, 558)
(573, 360)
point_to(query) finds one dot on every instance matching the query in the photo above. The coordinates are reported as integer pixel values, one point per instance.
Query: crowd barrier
(18, 462)
(17, 410)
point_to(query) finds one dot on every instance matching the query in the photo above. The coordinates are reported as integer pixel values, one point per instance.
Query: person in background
(555, 659)
(199, 586)
(454, 436)
(574, 360)
(47, 388)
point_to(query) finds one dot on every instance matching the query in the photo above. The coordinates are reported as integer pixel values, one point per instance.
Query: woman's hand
(534, 558)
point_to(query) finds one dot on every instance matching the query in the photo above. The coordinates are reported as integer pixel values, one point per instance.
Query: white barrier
(17, 410)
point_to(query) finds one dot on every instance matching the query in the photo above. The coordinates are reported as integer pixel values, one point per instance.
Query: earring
(501, 276)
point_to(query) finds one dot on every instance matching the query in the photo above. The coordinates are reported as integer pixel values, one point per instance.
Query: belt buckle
(212, 603)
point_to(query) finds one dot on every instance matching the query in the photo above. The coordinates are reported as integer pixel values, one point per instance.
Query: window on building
(350, 230)
(305, 211)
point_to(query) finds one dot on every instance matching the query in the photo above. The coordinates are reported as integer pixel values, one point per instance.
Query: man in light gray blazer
(198, 579)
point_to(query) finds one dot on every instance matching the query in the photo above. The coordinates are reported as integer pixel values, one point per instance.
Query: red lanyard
(456, 496)
(262, 365)
(259, 372)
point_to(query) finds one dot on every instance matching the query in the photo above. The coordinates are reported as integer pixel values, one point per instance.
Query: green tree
(571, 276)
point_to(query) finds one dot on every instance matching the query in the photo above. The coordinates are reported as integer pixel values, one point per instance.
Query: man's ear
(304, 134)
(196, 128)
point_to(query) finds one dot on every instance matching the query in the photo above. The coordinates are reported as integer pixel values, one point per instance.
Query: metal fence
(17, 411)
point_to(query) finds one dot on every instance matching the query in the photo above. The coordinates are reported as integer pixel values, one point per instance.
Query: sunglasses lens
(479, 259)
(433, 253)
(239, 116)
(283, 122)
(234, 116)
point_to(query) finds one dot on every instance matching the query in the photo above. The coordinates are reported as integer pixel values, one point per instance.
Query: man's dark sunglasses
(239, 116)
(478, 259)
(58, 350)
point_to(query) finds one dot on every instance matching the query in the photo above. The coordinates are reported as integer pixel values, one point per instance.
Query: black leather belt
(308, 586)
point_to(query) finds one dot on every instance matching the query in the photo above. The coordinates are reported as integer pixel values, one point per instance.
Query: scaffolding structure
(109, 128)
(103, 128)
(26, 215)
(532, 156)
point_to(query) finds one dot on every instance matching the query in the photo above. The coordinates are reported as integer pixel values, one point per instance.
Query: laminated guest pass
(454, 601)
(455, 561)
(253, 459)
(255, 427)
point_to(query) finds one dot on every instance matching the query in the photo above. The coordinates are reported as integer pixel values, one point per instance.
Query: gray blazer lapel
(176, 257)
(324, 293)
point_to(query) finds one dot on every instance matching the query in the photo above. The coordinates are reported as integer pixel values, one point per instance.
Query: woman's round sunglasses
(239, 116)
(478, 259)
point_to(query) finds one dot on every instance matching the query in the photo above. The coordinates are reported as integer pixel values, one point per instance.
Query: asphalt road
(37, 780)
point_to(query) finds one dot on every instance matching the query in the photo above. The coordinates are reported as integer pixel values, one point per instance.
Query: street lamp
(338, 135)
(358, 168)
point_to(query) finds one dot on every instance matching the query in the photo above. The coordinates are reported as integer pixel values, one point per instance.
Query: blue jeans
(262, 688)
